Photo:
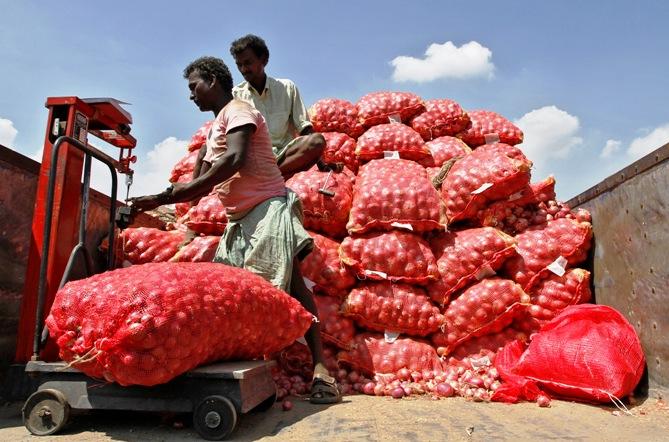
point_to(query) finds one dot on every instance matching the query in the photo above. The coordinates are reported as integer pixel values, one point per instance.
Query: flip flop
(324, 390)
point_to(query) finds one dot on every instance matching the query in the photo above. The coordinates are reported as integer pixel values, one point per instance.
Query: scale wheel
(215, 417)
(45, 412)
(266, 404)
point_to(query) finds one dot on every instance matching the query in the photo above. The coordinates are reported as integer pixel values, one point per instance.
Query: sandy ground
(365, 418)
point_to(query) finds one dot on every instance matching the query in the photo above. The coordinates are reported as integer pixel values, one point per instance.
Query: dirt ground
(365, 418)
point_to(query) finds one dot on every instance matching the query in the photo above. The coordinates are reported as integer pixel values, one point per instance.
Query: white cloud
(445, 61)
(550, 133)
(611, 147)
(7, 132)
(646, 144)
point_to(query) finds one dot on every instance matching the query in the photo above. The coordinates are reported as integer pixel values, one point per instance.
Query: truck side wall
(630, 214)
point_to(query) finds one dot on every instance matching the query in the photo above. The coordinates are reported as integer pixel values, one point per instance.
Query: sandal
(324, 390)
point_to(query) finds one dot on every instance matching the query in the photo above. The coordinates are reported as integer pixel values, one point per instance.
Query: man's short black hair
(210, 67)
(253, 42)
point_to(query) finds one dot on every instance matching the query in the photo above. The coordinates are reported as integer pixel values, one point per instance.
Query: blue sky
(586, 81)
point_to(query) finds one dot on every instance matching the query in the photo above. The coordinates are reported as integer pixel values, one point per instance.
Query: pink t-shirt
(259, 178)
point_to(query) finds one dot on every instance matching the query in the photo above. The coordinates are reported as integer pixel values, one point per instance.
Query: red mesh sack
(200, 136)
(323, 213)
(392, 137)
(145, 325)
(201, 249)
(185, 167)
(180, 209)
(399, 308)
(340, 148)
(552, 295)
(514, 388)
(146, 244)
(588, 353)
(207, 217)
(490, 123)
(380, 107)
(479, 178)
(335, 115)
(371, 354)
(486, 307)
(388, 192)
(441, 117)
(323, 268)
(296, 360)
(443, 149)
(397, 256)
(467, 256)
(560, 243)
(507, 149)
(488, 345)
(335, 328)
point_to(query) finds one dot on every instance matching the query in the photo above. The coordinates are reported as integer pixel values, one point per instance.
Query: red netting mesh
(395, 191)
(392, 137)
(208, 217)
(486, 307)
(541, 245)
(479, 178)
(335, 328)
(371, 354)
(394, 307)
(488, 123)
(443, 149)
(144, 325)
(488, 344)
(141, 245)
(395, 256)
(323, 267)
(200, 136)
(324, 213)
(200, 249)
(466, 256)
(379, 107)
(335, 115)
(340, 148)
(441, 117)
(588, 352)
(183, 169)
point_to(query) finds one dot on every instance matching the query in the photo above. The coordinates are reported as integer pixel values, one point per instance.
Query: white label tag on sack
(484, 272)
(377, 273)
(309, 283)
(515, 196)
(491, 138)
(391, 155)
(391, 336)
(558, 266)
(301, 340)
(402, 226)
(394, 118)
(483, 188)
(480, 362)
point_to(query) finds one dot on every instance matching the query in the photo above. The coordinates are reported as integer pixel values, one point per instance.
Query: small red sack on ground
(371, 354)
(380, 107)
(480, 178)
(323, 213)
(488, 344)
(207, 217)
(443, 149)
(141, 245)
(340, 148)
(388, 192)
(441, 117)
(560, 243)
(200, 137)
(392, 137)
(335, 328)
(490, 123)
(397, 256)
(335, 115)
(588, 352)
(553, 294)
(399, 308)
(486, 307)
(467, 256)
(201, 249)
(145, 325)
(323, 268)
(184, 166)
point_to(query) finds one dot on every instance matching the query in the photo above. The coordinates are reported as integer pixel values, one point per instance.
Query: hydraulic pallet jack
(215, 394)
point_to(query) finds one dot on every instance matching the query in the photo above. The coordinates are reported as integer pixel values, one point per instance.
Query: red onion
(397, 393)
(445, 390)
(287, 405)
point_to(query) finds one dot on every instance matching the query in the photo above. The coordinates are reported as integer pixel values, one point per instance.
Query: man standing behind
(294, 142)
